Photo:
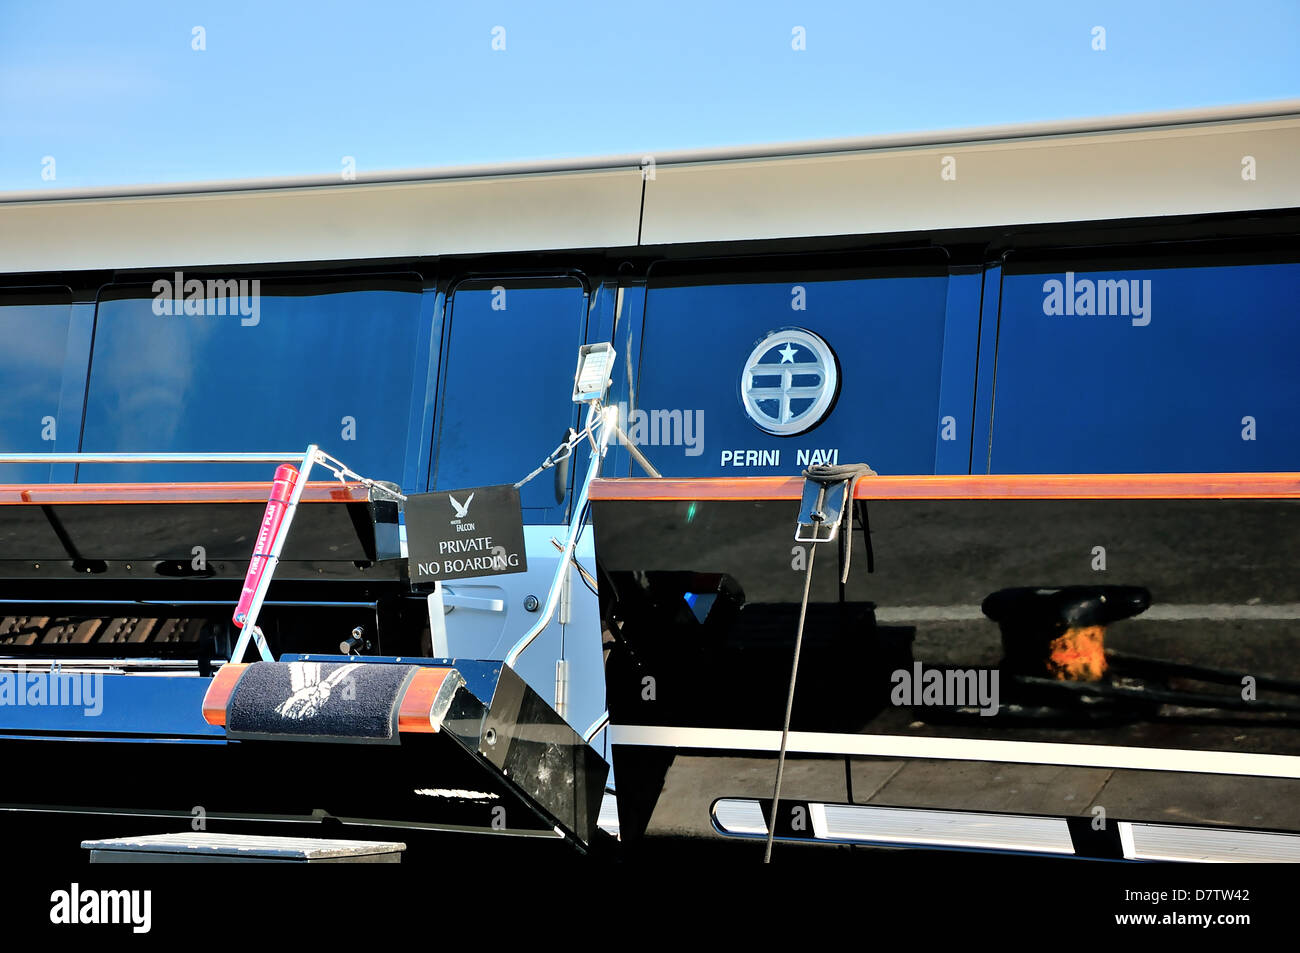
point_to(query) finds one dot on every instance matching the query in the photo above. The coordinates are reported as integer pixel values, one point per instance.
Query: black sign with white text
(460, 533)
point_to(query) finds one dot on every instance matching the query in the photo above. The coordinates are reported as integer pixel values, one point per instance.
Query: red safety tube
(286, 475)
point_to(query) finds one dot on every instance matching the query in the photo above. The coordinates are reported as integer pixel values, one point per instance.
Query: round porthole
(789, 381)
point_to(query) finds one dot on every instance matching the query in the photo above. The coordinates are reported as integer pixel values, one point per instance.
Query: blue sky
(116, 94)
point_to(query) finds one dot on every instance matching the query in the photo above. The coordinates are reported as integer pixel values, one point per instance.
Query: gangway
(343, 717)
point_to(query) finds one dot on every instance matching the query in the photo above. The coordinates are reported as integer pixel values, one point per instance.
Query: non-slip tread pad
(318, 701)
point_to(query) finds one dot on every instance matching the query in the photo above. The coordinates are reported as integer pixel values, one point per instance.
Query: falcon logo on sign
(461, 508)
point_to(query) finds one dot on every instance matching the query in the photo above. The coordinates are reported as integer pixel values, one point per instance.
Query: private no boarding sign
(456, 534)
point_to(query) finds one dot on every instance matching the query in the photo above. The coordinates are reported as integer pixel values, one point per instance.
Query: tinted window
(507, 383)
(1170, 371)
(885, 330)
(328, 362)
(34, 329)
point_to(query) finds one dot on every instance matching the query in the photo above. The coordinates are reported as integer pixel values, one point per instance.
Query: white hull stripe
(963, 749)
(1172, 612)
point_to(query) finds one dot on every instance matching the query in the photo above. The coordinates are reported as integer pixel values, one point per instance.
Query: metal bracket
(820, 511)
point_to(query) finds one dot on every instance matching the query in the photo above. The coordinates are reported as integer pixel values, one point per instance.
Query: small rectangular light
(595, 365)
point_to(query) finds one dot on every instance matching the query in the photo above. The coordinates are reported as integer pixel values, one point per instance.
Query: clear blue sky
(116, 94)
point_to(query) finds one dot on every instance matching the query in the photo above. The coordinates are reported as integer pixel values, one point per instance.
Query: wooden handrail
(1056, 486)
(17, 494)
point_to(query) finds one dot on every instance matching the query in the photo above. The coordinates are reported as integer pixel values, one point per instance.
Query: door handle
(453, 601)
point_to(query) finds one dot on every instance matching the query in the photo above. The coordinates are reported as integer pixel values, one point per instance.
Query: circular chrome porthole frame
(827, 367)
